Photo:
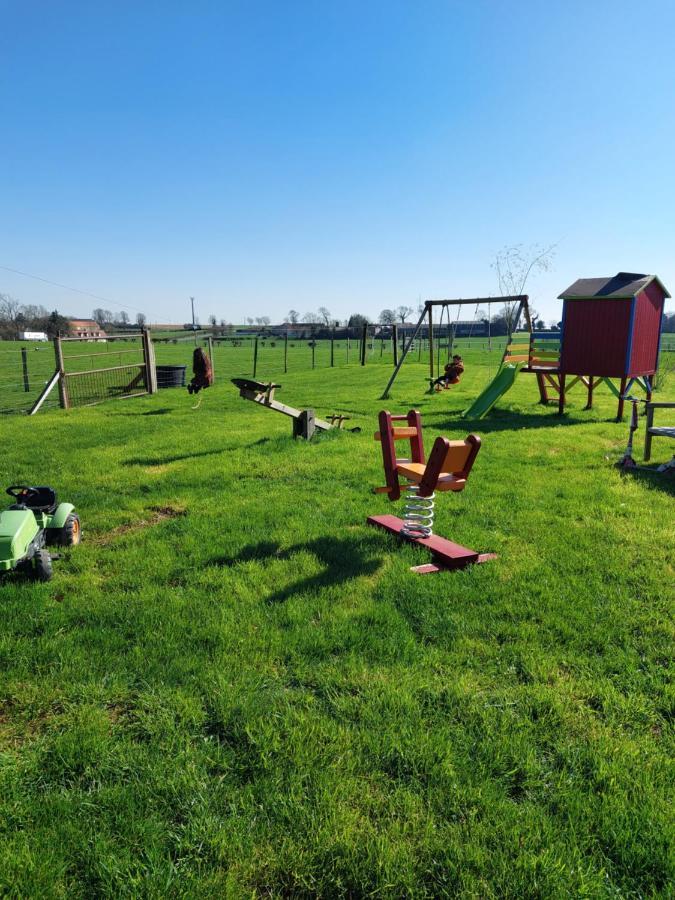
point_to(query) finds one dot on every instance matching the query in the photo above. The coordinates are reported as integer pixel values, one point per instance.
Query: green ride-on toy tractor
(32, 522)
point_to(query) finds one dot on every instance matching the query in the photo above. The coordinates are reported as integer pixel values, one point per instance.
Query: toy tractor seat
(39, 499)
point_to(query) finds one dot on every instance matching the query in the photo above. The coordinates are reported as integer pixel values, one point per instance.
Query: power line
(68, 288)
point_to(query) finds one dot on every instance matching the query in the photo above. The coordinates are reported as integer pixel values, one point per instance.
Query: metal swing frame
(427, 313)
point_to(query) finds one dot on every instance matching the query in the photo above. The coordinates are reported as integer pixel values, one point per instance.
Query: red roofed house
(86, 329)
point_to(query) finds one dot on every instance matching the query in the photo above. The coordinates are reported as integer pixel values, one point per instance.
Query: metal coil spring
(418, 515)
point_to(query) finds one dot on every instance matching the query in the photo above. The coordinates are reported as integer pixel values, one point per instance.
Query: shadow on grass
(164, 460)
(343, 559)
(652, 479)
(512, 421)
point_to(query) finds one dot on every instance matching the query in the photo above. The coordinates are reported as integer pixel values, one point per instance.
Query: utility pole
(194, 330)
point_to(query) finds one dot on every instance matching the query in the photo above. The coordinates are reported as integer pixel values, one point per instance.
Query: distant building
(33, 336)
(86, 329)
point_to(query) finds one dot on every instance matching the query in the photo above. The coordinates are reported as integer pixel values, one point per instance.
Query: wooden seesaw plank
(447, 555)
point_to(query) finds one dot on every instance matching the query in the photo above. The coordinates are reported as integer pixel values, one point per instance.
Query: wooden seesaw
(305, 423)
(447, 469)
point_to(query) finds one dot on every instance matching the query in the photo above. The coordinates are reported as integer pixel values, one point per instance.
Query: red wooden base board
(446, 555)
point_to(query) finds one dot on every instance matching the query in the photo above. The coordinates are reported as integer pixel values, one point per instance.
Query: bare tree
(293, 316)
(102, 316)
(265, 321)
(324, 314)
(124, 318)
(403, 312)
(141, 320)
(311, 318)
(514, 265)
(387, 317)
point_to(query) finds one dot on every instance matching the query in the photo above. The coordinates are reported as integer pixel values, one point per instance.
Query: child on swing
(451, 374)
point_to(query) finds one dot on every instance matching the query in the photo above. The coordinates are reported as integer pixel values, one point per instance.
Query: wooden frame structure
(143, 381)
(427, 313)
(652, 431)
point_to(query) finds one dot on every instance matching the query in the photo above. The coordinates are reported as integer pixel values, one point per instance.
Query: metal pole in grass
(364, 339)
(332, 346)
(286, 352)
(24, 365)
(394, 343)
(348, 345)
(313, 343)
(255, 355)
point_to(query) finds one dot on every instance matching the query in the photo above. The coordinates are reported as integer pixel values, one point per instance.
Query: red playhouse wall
(595, 337)
(646, 328)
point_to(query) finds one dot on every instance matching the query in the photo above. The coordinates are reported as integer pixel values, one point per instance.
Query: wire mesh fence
(26, 367)
(93, 386)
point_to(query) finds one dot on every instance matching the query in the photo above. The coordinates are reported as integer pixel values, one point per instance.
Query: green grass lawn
(234, 687)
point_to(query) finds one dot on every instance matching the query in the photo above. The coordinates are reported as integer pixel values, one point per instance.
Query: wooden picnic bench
(652, 430)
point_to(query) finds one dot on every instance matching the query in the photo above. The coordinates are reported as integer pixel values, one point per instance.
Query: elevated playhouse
(611, 328)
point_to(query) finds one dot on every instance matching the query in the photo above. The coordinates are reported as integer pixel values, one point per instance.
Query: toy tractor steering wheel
(22, 491)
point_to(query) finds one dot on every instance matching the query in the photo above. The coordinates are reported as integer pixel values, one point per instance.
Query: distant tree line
(16, 317)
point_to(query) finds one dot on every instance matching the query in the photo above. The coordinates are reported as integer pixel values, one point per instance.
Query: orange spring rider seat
(447, 469)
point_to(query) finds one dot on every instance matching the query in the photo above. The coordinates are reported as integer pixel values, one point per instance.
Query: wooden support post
(648, 434)
(332, 346)
(561, 395)
(313, 343)
(394, 343)
(213, 371)
(304, 426)
(543, 393)
(364, 339)
(431, 345)
(255, 355)
(24, 366)
(149, 360)
(622, 391)
(63, 387)
(286, 352)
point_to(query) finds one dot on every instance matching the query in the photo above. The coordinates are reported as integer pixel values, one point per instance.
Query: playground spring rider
(447, 469)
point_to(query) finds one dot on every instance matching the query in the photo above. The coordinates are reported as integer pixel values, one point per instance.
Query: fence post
(213, 371)
(286, 352)
(364, 338)
(332, 346)
(394, 340)
(24, 365)
(149, 360)
(313, 343)
(255, 355)
(64, 400)
(348, 345)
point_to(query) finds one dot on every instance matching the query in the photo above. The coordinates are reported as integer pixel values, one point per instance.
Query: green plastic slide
(497, 387)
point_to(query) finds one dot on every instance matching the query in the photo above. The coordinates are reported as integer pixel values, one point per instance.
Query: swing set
(427, 315)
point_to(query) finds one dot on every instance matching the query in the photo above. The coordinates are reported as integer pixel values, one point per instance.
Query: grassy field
(234, 687)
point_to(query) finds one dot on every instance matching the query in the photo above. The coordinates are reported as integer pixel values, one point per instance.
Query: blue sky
(267, 156)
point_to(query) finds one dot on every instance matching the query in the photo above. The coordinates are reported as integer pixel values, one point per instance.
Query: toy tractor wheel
(71, 533)
(42, 566)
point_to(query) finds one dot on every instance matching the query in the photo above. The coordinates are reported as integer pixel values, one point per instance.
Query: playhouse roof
(621, 286)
